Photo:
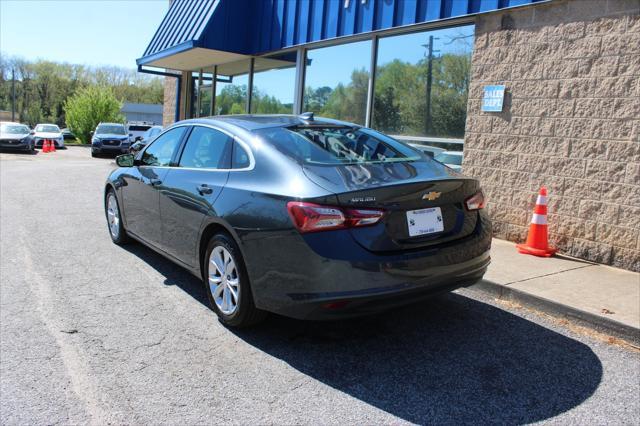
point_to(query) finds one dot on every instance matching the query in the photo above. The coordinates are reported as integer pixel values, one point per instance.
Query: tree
(43, 86)
(386, 113)
(90, 106)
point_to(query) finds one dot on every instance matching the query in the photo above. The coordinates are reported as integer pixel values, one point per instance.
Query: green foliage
(42, 87)
(233, 100)
(400, 105)
(90, 106)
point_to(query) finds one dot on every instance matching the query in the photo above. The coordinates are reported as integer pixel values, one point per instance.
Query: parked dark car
(309, 218)
(109, 138)
(16, 136)
(147, 137)
(68, 135)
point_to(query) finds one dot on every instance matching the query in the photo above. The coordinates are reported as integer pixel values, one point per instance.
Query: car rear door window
(240, 158)
(161, 151)
(206, 148)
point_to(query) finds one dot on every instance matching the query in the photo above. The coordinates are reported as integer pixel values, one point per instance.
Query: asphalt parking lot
(94, 333)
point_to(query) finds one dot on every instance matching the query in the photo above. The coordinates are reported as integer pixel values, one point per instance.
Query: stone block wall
(169, 102)
(571, 121)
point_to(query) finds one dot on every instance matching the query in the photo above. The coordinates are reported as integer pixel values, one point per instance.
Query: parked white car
(452, 159)
(48, 131)
(137, 129)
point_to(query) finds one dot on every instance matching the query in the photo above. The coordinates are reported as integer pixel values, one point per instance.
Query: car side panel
(140, 198)
(183, 208)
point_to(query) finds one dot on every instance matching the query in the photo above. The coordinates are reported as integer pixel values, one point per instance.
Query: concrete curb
(597, 322)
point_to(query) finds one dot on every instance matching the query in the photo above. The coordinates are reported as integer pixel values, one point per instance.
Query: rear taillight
(475, 202)
(309, 217)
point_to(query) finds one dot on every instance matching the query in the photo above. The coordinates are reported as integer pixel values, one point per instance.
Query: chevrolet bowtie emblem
(431, 195)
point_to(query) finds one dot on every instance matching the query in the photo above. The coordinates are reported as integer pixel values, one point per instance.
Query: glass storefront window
(203, 98)
(422, 83)
(336, 81)
(273, 84)
(231, 97)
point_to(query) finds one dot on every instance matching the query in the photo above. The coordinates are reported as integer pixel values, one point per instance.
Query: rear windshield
(450, 159)
(47, 128)
(336, 145)
(14, 129)
(112, 129)
(138, 128)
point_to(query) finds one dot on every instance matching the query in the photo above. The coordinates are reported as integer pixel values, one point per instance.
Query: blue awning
(182, 26)
(199, 33)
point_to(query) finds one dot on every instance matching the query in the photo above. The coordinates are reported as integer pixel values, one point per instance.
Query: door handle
(204, 189)
(155, 182)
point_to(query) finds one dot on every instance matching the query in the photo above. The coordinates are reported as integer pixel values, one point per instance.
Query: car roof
(46, 124)
(452, 153)
(252, 122)
(112, 124)
(13, 122)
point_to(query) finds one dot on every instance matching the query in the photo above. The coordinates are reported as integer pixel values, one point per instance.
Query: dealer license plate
(425, 221)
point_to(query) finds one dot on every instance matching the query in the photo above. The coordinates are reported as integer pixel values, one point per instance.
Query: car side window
(161, 150)
(240, 158)
(206, 148)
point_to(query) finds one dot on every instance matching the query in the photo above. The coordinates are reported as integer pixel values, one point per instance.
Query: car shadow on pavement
(451, 359)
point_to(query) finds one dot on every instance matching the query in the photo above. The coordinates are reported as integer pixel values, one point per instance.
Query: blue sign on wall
(493, 98)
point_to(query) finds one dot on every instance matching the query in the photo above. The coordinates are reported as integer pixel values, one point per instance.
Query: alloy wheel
(224, 280)
(113, 215)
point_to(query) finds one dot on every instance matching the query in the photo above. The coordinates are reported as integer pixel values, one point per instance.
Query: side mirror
(125, 160)
(130, 134)
(91, 133)
(139, 138)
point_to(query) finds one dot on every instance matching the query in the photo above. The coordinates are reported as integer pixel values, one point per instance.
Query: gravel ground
(94, 333)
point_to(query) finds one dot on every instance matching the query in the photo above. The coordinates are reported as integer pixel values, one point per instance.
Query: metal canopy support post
(178, 95)
(250, 85)
(298, 93)
(368, 119)
(199, 94)
(214, 80)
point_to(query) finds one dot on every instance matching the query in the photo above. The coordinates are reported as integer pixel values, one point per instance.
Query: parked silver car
(50, 132)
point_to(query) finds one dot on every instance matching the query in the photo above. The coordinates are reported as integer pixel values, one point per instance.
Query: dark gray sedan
(16, 136)
(309, 218)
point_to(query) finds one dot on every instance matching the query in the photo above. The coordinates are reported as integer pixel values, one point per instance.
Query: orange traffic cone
(52, 146)
(537, 240)
(45, 146)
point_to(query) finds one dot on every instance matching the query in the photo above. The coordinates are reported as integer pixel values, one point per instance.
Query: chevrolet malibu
(308, 218)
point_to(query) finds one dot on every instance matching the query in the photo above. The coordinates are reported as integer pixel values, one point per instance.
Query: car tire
(113, 213)
(219, 284)
(93, 154)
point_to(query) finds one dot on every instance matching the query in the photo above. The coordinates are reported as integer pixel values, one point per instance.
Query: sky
(89, 32)
(116, 32)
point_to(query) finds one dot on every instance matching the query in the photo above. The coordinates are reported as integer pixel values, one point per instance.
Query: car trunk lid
(399, 188)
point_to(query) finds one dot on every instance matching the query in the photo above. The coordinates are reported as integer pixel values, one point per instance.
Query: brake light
(309, 217)
(475, 202)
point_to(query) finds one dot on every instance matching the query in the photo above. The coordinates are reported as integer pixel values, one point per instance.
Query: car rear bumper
(39, 142)
(105, 149)
(310, 281)
(18, 146)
